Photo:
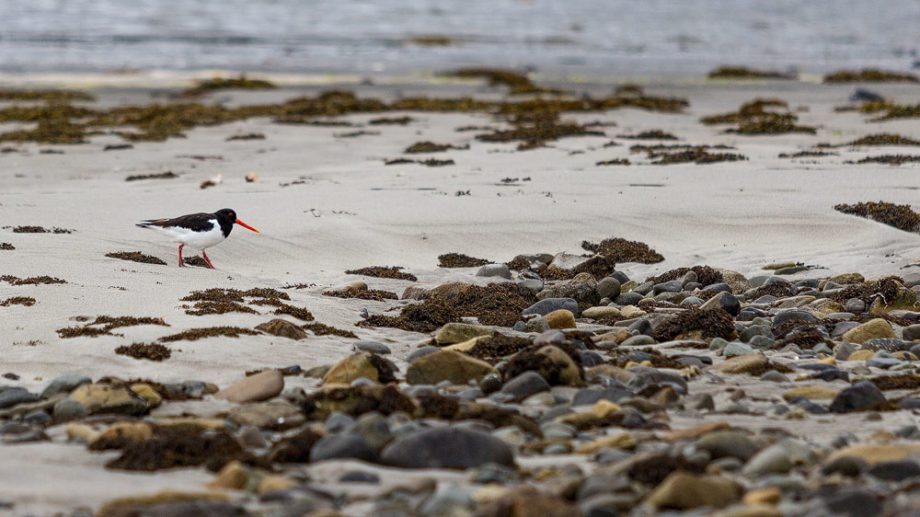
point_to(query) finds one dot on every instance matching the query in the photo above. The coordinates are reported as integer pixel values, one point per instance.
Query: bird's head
(230, 215)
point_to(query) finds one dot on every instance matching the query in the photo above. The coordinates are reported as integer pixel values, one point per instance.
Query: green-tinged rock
(361, 365)
(683, 491)
(447, 365)
(107, 399)
(873, 329)
(453, 333)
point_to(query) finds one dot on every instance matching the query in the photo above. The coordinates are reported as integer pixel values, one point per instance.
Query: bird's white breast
(197, 240)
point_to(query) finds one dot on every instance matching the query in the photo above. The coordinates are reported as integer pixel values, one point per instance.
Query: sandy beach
(326, 202)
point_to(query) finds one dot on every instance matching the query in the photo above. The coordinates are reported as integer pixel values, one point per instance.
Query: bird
(199, 231)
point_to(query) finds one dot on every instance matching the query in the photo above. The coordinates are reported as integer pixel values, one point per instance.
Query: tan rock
(275, 483)
(861, 355)
(685, 491)
(631, 311)
(104, 398)
(692, 433)
(453, 333)
(873, 454)
(811, 393)
(616, 440)
(749, 363)
(561, 319)
(261, 386)
(119, 433)
(768, 495)
(282, 328)
(233, 476)
(273, 414)
(872, 329)
(602, 313)
(354, 367)
(146, 392)
(81, 432)
(465, 346)
(447, 365)
(134, 505)
(738, 282)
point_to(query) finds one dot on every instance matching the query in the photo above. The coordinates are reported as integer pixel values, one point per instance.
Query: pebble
(548, 305)
(64, 384)
(494, 270)
(261, 386)
(447, 447)
(525, 385)
(446, 365)
(372, 347)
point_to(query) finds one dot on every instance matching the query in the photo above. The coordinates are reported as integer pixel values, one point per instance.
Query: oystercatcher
(198, 231)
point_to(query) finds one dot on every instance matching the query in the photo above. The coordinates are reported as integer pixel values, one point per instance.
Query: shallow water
(592, 37)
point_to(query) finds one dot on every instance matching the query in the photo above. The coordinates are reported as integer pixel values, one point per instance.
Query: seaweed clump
(135, 256)
(431, 147)
(363, 294)
(27, 301)
(883, 139)
(705, 275)
(392, 272)
(743, 72)
(761, 117)
(321, 329)
(40, 229)
(622, 250)
(886, 288)
(890, 159)
(902, 217)
(903, 381)
(653, 134)
(179, 446)
(61, 96)
(495, 304)
(391, 121)
(228, 83)
(32, 280)
(709, 323)
(154, 176)
(698, 155)
(869, 75)
(5, 246)
(517, 83)
(614, 161)
(533, 130)
(806, 154)
(201, 333)
(455, 260)
(149, 351)
(203, 308)
(495, 348)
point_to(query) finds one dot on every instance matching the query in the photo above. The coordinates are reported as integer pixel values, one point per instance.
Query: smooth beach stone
(525, 385)
(261, 386)
(65, 384)
(447, 447)
(548, 305)
(342, 446)
(608, 287)
(862, 396)
(373, 347)
(12, 396)
(494, 270)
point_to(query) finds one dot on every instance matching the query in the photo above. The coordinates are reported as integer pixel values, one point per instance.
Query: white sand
(352, 211)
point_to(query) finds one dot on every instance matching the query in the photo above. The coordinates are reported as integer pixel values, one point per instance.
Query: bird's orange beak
(244, 225)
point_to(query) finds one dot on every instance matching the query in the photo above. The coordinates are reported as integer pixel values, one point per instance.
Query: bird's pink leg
(181, 264)
(206, 259)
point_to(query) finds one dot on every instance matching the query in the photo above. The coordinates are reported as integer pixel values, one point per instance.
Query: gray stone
(588, 396)
(608, 287)
(12, 396)
(843, 350)
(67, 410)
(373, 347)
(548, 305)
(418, 353)
(447, 447)
(342, 446)
(862, 396)
(722, 444)
(375, 429)
(855, 305)
(673, 286)
(495, 270)
(525, 385)
(639, 340)
(65, 384)
(735, 349)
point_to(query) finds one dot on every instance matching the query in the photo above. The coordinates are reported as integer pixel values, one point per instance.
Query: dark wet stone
(373, 347)
(863, 396)
(887, 344)
(749, 313)
(65, 384)
(447, 447)
(793, 315)
(809, 406)
(525, 385)
(589, 396)
(341, 446)
(895, 470)
(548, 305)
(651, 378)
(642, 326)
(850, 466)
(631, 298)
(854, 502)
(358, 476)
(12, 396)
(491, 383)
(590, 358)
(673, 286)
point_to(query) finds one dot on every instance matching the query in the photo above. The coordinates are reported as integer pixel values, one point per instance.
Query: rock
(233, 476)
(65, 384)
(361, 365)
(725, 301)
(842, 351)
(446, 365)
(638, 340)
(12, 396)
(525, 385)
(550, 362)
(684, 491)
(861, 355)
(548, 305)
(872, 329)
(734, 349)
(863, 396)
(495, 270)
(375, 429)
(453, 333)
(895, 470)
(752, 364)
(911, 333)
(582, 288)
(853, 502)
(67, 410)
(601, 313)
(342, 446)
(816, 392)
(261, 386)
(274, 414)
(735, 280)
(855, 306)
(721, 444)
(561, 319)
(372, 347)
(608, 287)
(780, 458)
(106, 399)
(282, 328)
(450, 447)
(874, 454)
(421, 352)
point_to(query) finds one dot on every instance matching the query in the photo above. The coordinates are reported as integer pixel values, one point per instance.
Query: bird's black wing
(200, 222)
